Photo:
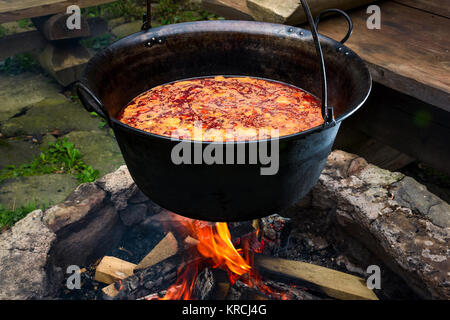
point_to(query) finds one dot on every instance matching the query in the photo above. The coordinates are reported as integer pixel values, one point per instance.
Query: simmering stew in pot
(223, 109)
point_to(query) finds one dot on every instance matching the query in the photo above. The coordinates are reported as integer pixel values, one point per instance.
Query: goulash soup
(223, 109)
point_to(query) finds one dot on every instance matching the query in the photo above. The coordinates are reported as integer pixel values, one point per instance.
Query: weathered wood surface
(438, 7)
(34, 41)
(111, 269)
(410, 51)
(12, 10)
(55, 28)
(166, 248)
(230, 9)
(334, 283)
(291, 11)
(64, 61)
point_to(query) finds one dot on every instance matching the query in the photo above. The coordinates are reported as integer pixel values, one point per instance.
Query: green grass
(19, 63)
(129, 9)
(59, 157)
(8, 217)
(172, 11)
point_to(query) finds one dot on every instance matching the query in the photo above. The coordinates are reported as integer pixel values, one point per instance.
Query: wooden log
(166, 248)
(111, 269)
(229, 9)
(110, 290)
(55, 27)
(291, 11)
(333, 283)
(64, 61)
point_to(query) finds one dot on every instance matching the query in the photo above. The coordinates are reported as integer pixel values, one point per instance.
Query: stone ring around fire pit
(371, 215)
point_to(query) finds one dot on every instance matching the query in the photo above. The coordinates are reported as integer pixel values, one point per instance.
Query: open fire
(198, 260)
(214, 244)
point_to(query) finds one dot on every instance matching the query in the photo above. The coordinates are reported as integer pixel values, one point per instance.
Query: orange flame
(214, 244)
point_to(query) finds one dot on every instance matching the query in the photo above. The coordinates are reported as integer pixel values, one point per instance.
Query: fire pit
(226, 192)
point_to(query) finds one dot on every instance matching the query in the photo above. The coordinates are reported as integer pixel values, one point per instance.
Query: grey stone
(18, 92)
(76, 210)
(410, 193)
(24, 252)
(48, 115)
(88, 241)
(119, 185)
(99, 149)
(409, 244)
(17, 152)
(45, 189)
(133, 214)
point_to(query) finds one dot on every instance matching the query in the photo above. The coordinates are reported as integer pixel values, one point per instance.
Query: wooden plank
(438, 7)
(110, 290)
(335, 284)
(229, 9)
(112, 269)
(12, 10)
(166, 248)
(34, 41)
(409, 53)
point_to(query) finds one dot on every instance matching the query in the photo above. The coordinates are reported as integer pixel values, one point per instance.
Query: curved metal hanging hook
(346, 16)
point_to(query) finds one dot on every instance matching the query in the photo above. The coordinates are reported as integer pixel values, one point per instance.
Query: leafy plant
(8, 217)
(19, 63)
(129, 9)
(102, 122)
(171, 11)
(24, 23)
(99, 42)
(59, 157)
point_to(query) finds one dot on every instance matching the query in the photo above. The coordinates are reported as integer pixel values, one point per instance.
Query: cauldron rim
(236, 26)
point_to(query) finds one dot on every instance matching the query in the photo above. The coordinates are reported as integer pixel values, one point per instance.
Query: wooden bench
(409, 108)
(64, 60)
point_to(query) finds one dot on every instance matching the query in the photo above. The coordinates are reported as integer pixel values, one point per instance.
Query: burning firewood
(112, 269)
(333, 283)
(166, 248)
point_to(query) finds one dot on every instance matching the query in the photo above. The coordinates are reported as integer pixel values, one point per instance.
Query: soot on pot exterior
(223, 192)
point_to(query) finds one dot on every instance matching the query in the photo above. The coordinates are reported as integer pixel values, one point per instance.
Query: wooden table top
(410, 53)
(12, 10)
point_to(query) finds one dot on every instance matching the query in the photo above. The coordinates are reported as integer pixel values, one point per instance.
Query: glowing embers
(223, 109)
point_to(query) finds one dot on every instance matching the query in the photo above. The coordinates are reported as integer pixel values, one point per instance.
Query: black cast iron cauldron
(225, 192)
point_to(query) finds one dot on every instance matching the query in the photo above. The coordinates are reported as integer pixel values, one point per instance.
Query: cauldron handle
(346, 16)
(327, 112)
(97, 106)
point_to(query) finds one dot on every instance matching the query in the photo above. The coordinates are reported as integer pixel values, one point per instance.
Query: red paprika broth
(223, 109)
